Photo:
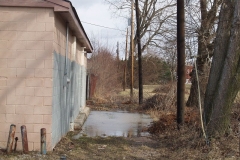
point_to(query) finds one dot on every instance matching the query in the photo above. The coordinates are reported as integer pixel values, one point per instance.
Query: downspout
(66, 79)
(66, 54)
(72, 69)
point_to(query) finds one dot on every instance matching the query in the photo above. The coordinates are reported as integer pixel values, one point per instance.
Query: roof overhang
(66, 11)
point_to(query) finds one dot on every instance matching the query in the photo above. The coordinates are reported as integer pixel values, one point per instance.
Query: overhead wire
(103, 26)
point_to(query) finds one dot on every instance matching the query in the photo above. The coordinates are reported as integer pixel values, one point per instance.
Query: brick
(43, 55)
(31, 100)
(3, 44)
(30, 146)
(33, 119)
(3, 144)
(48, 46)
(34, 137)
(8, 72)
(35, 45)
(4, 127)
(3, 82)
(29, 54)
(24, 91)
(8, 35)
(16, 26)
(43, 92)
(26, 72)
(2, 118)
(56, 47)
(17, 100)
(39, 91)
(17, 54)
(47, 101)
(34, 64)
(27, 36)
(3, 92)
(15, 63)
(33, 26)
(2, 109)
(16, 82)
(48, 82)
(14, 118)
(29, 17)
(23, 109)
(48, 64)
(34, 82)
(47, 16)
(4, 26)
(14, 16)
(47, 119)
(49, 27)
(3, 63)
(36, 146)
(37, 128)
(44, 36)
(43, 110)
(23, 54)
(10, 109)
(2, 136)
(5, 16)
(29, 127)
(10, 91)
(44, 73)
(16, 45)
(6, 53)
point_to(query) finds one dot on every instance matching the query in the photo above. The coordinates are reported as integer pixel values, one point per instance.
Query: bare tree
(206, 34)
(104, 65)
(224, 79)
(156, 19)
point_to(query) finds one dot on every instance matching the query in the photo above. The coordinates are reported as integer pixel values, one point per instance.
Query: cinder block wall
(26, 73)
(67, 97)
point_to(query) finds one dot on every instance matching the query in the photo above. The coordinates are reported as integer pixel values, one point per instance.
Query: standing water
(120, 123)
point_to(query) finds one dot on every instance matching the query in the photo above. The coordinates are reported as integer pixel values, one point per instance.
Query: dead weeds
(167, 140)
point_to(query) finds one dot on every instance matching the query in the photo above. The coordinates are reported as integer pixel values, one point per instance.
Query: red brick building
(188, 72)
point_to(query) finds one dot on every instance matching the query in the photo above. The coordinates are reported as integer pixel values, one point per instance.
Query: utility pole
(125, 66)
(140, 96)
(181, 61)
(117, 51)
(117, 55)
(132, 54)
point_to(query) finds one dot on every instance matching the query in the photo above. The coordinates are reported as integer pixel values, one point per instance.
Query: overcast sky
(98, 12)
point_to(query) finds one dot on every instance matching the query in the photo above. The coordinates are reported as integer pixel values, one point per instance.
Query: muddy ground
(167, 142)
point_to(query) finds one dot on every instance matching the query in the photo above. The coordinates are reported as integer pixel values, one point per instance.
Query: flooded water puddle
(120, 123)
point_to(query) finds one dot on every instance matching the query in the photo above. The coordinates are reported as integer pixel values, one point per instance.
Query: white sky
(98, 12)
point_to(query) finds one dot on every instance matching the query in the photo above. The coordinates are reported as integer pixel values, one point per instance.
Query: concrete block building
(43, 59)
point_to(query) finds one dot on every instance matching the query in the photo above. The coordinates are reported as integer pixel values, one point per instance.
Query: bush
(165, 98)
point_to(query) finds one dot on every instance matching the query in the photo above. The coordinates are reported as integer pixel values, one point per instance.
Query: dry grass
(167, 141)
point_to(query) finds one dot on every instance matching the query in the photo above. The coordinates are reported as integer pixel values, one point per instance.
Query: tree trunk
(205, 37)
(223, 84)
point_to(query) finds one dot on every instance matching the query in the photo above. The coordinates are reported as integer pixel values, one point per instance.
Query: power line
(103, 26)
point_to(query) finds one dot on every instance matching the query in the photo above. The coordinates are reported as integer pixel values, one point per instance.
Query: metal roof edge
(78, 19)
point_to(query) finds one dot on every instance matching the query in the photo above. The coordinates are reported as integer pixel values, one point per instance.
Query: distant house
(188, 73)
(43, 49)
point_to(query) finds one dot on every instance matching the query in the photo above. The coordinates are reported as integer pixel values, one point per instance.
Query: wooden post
(118, 60)
(11, 138)
(132, 54)
(140, 95)
(24, 139)
(43, 141)
(15, 146)
(181, 61)
(125, 66)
